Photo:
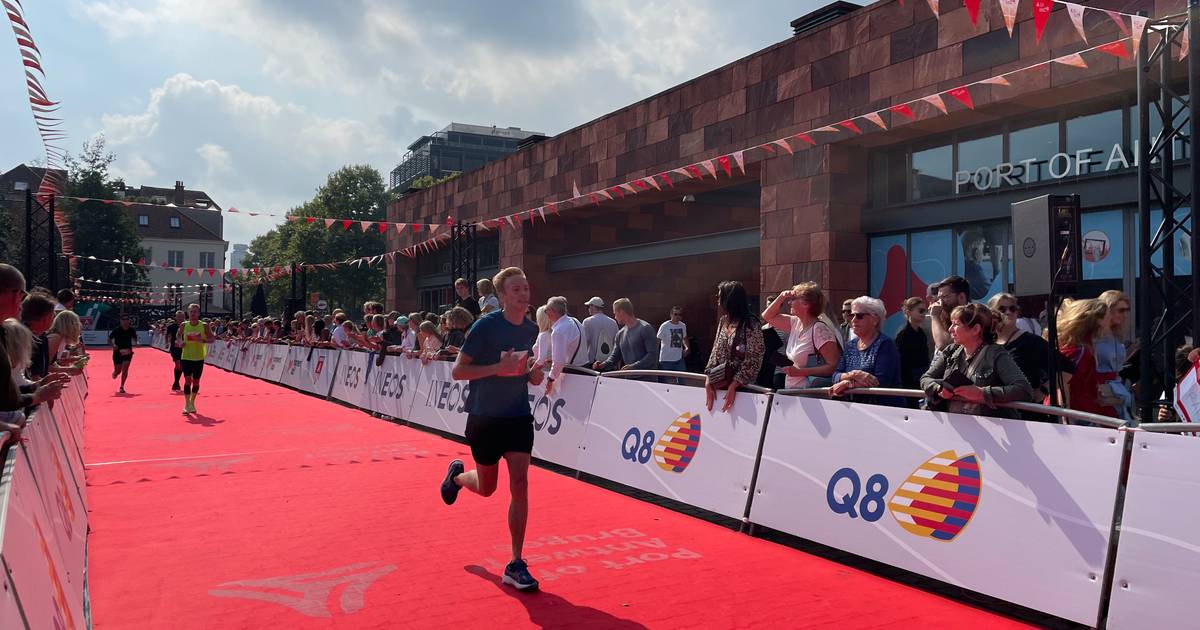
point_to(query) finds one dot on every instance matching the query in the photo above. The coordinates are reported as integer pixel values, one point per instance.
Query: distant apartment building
(458, 148)
(240, 251)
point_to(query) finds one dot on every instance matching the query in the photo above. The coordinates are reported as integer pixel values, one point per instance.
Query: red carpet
(273, 509)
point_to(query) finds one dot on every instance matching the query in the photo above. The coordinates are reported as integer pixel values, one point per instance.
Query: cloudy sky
(256, 101)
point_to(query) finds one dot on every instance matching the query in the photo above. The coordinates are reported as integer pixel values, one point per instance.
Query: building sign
(1059, 166)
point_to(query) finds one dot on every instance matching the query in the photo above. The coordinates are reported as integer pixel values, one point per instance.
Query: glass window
(1103, 245)
(932, 173)
(1029, 151)
(175, 222)
(143, 220)
(20, 185)
(930, 259)
(175, 258)
(889, 268)
(207, 260)
(981, 252)
(1090, 139)
(977, 160)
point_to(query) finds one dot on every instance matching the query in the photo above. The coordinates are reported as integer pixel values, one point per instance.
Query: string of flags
(103, 284)
(1128, 23)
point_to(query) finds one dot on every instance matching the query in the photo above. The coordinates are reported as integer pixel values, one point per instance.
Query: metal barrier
(690, 376)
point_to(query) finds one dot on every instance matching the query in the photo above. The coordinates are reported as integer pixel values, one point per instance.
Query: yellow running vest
(194, 348)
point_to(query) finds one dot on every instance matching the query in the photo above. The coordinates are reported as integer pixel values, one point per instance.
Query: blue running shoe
(517, 575)
(449, 488)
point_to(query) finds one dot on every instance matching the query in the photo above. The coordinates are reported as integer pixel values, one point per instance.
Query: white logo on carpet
(309, 594)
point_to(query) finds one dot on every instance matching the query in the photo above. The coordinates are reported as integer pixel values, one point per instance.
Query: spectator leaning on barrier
(737, 351)
(913, 344)
(974, 374)
(813, 344)
(636, 346)
(66, 300)
(599, 330)
(567, 343)
(17, 349)
(37, 314)
(952, 293)
(673, 343)
(1029, 351)
(340, 337)
(12, 397)
(458, 322)
(63, 341)
(870, 358)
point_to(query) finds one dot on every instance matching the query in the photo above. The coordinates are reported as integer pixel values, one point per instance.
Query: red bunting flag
(723, 161)
(311, 219)
(383, 227)
(233, 272)
(973, 11)
(416, 227)
(904, 110)
(141, 261)
(1041, 15)
(694, 171)
(1116, 49)
(641, 184)
(346, 223)
(189, 271)
(849, 124)
(806, 138)
(963, 96)
(667, 178)
(212, 272)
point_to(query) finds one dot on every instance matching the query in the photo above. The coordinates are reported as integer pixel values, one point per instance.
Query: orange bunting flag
(653, 182)
(1116, 49)
(973, 11)
(827, 128)
(904, 110)
(1076, 13)
(1000, 80)
(963, 96)
(1041, 15)
(400, 227)
(1073, 60)
(875, 118)
(936, 101)
(1008, 8)
(1184, 43)
(1118, 20)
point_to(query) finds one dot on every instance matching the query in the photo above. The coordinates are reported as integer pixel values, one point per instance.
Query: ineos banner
(391, 387)
(37, 569)
(214, 349)
(560, 420)
(350, 378)
(979, 502)
(660, 438)
(311, 369)
(254, 361)
(440, 401)
(1159, 552)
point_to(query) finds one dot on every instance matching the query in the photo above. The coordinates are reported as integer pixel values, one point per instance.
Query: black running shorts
(119, 358)
(490, 438)
(192, 369)
(176, 353)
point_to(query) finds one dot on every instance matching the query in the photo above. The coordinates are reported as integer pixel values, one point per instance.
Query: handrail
(1072, 414)
(1169, 427)
(578, 369)
(685, 375)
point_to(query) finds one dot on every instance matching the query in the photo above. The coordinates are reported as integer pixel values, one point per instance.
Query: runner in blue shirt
(496, 359)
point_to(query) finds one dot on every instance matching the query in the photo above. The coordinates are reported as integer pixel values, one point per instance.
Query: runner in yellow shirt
(195, 336)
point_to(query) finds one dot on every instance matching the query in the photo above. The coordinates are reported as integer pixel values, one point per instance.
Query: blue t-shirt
(498, 396)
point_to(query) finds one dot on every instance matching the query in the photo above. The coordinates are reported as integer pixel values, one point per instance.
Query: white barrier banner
(278, 357)
(66, 518)
(391, 387)
(215, 350)
(1158, 556)
(901, 486)
(350, 379)
(440, 402)
(10, 612)
(560, 420)
(69, 456)
(254, 360)
(50, 591)
(229, 356)
(311, 369)
(661, 438)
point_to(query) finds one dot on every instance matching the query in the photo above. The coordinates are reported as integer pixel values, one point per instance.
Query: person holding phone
(973, 374)
(496, 358)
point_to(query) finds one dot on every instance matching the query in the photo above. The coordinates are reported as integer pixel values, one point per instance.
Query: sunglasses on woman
(1008, 309)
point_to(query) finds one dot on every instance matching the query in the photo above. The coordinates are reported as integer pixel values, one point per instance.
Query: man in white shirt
(673, 347)
(338, 336)
(567, 343)
(599, 331)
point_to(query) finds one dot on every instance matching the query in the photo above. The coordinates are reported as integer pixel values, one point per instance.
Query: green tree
(102, 230)
(355, 193)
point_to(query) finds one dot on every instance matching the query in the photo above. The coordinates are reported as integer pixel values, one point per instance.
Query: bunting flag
(973, 11)
(963, 96)
(740, 158)
(904, 110)
(1076, 13)
(849, 124)
(1137, 27)
(1184, 43)
(876, 119)
(366, 225)
(346, 223)
(936, 101)
(1041, 15)
(782, 143)
(933, 6)
(575, 190)
(1008, 8)
(710, 167)
(725, 165)
(806, 138)
(998, 80)
(1074, 60)
(328, 223)
(1116, 49)
(827, 129)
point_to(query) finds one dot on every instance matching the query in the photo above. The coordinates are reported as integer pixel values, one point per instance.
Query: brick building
(846, 214)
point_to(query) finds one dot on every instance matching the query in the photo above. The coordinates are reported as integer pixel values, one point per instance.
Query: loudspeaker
(1046, 244)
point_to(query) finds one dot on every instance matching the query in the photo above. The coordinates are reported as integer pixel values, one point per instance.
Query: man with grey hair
(567, 343)
(12, 396)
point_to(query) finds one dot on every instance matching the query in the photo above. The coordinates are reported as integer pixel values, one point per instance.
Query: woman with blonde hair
(1080, 322)
(63, 336)
(1111, 354)
(18, 345)
(541, 346)
(813, 343)
(488, 301)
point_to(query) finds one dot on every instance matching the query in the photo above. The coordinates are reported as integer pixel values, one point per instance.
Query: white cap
(597, 302)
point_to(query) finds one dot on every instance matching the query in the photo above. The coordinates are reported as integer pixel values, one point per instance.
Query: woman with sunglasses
(1111, 354)
(914, 344)
(973, 373)
(871, 358)
(1028, 350)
